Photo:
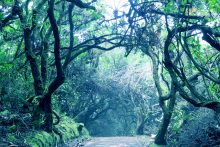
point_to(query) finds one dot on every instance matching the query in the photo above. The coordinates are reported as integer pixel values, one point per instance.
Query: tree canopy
(131, 67)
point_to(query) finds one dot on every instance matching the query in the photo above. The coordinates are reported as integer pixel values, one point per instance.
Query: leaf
(212, 89)
(94, 15)
(170, 7)
(170, 3)
(213, 2)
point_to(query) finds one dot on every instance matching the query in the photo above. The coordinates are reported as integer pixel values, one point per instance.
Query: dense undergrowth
(190, 127)
(201, 129)
(53, 56)
(17, 130)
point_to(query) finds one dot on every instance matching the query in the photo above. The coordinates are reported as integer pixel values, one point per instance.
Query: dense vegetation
(132, 67)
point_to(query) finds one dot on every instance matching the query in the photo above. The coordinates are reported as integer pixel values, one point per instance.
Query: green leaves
(214, 88)
(183, 2)
(165, 9)
(169, 8)
(214, 5)
(96, 14)
(5, 66)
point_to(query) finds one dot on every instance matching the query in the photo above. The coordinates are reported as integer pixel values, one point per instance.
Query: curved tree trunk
(160, 137)
(167, 109)
(167, 113)
(140, 126)
(143, 119)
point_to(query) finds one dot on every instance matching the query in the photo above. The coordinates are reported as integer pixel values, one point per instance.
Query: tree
(37, 46)
(185, 23)
(181, 39)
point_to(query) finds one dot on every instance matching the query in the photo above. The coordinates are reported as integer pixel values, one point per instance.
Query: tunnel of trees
(119, 68)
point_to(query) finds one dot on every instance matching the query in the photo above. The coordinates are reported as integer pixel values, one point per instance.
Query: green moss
(85, 132)
(11, 137)
(28, 139)
(155, 145)
(75, 129)
(42, 139)
(57, 138)
(6, 112)
(71, 130)
(35, 102)
(37, 123)
(48, 137)
(15, 120)
(68, 128)
(13, 129)
(36, 143)
(80, 126)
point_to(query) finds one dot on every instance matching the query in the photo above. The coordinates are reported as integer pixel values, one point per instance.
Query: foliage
(39, 138)
(53, 56)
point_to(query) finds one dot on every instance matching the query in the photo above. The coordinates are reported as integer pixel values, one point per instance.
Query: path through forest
(114, 142)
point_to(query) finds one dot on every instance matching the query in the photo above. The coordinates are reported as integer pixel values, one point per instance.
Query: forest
(77, 69)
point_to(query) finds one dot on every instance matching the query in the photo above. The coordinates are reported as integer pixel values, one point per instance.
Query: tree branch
(80, 4)
(60, 74)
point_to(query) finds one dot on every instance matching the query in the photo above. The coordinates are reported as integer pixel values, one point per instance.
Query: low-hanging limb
(80, 4)
(212, 104)
(165, 14)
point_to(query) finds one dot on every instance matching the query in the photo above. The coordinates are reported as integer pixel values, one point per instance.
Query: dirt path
(114, 142)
